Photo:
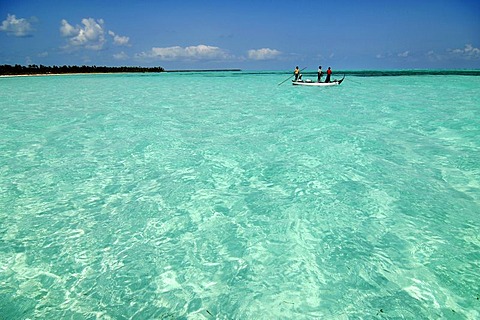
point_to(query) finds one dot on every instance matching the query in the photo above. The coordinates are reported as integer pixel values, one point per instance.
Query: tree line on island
(34, 69)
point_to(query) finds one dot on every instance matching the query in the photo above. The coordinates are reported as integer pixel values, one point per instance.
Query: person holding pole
(297, 74)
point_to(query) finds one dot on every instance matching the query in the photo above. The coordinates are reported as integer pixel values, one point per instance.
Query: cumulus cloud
(16, 27)
(393, 55)
(200, 52)
(67, 30)
(120, 56)
(91, 34)
(433, 56)
(119, 40)
(263, 54)
(469, 52)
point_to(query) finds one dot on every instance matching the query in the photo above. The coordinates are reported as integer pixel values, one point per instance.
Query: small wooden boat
(317, 84)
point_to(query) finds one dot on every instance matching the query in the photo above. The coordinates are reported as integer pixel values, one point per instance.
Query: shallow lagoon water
(226, 196)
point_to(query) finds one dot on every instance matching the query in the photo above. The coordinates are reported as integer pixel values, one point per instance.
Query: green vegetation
(41, 69)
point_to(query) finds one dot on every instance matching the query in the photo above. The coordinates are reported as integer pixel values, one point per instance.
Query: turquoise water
(226, 196)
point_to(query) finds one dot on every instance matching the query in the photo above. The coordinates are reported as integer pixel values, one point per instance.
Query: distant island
(33, 69)
(9, 70)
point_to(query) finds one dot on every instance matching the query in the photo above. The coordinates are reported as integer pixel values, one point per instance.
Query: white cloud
(263, 54)
(469, 52)
(384, 55)
(17, 27)
(119, 40)
(120, 56)
(433, 56)
(90, 36)
(393, 55)
(200, 52)
(67, 30)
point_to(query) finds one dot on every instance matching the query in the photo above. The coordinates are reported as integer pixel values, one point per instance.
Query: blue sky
(250, 35)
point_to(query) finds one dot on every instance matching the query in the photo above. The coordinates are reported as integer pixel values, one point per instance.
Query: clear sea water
(227, 196)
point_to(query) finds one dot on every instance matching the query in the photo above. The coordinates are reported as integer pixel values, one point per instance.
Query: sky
(247, 35)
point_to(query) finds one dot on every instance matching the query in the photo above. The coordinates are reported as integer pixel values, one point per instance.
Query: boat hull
(318, 84)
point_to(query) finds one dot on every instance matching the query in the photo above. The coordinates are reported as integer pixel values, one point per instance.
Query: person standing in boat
(319, 74)
(329, 74)
(297, 74)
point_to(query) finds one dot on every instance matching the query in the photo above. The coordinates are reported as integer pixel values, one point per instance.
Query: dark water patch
(356, 73)
(395, 73)
(392, 73)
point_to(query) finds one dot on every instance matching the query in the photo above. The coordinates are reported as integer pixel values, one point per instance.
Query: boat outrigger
(317, 84)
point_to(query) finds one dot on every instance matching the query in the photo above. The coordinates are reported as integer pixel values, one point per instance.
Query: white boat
(317, 84)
